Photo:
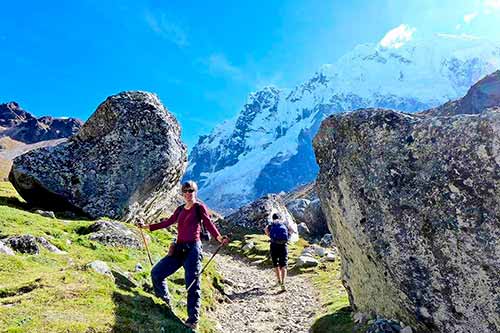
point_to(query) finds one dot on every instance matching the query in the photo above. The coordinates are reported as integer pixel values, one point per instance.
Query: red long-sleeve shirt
(188, 223)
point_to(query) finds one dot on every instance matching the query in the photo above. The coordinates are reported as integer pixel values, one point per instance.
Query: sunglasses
(190, 190)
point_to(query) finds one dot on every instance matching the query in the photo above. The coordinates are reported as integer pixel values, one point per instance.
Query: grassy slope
(336, 314)
(56, 293)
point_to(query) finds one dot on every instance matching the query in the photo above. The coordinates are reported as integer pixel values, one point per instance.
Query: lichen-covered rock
(126, 159)
(49, 246)
(384, 326)
(414, 205)
(4, 249)
(327, 241)
(297, 208)
(23, 244)
(315, 219)
(100, 267)
(255, 216)
(46, 213)
(112, 234)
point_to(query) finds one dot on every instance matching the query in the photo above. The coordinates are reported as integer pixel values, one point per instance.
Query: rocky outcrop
(315, 219)
(126, 160)
(112, 234)
(23, 244)
(20, 125)
(255, 216)
(482, 96)
(305, 207)
(414, 203)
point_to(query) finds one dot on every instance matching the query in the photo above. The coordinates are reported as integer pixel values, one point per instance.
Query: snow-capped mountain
(267, 147)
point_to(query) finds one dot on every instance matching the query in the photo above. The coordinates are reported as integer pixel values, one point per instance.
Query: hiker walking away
(279, 234)
(187, 250)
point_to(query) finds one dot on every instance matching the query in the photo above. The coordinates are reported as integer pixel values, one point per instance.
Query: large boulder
(126, 160)
(414, 205)
(315, 219)
(297, 208)
(112, 234)
(255, 216)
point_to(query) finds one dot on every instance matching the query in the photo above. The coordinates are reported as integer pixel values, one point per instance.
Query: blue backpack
(278, 233)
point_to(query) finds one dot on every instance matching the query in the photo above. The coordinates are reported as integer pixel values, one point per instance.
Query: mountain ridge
(272, 152)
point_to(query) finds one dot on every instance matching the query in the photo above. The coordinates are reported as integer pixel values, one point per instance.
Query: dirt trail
(257, 303)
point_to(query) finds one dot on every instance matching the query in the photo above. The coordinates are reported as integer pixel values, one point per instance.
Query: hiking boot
(283, 288)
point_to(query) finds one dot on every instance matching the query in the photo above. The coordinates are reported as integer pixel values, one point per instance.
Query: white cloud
(167, 29)
(469, 17)
(217, 64)
(397, 37)
(492, 4)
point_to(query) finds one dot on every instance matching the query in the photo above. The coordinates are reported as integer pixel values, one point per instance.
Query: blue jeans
(188, 255)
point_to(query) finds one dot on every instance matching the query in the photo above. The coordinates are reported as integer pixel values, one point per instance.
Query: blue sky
(63, 58)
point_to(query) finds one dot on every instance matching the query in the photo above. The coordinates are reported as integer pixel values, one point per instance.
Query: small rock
(306, 261)
(138, 267)
(326, 240)
(329, 256)
(407, 329)
(68, 241)
(6, 250)
(46, 213)
(100, 267)
(42, 241)
(319, 251)
(248, 246)
(360, 318)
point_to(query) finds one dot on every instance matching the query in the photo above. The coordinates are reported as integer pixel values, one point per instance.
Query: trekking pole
(141, 221)
(203, 269)
(146, 246)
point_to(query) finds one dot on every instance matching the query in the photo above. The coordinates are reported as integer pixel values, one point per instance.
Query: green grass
(56, 293)
(335, 316)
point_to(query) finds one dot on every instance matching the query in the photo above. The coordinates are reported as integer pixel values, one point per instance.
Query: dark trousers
(190, 256)
(279, 254)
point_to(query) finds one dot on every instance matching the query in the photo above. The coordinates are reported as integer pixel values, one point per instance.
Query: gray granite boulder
(23, 244)
(112, 234)
(315, 219)
(414, 205)
(297, 208)
(126, 159)
(255, 216)
(306, 262)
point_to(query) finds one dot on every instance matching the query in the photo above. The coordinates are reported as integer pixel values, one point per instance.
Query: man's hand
(224, 240)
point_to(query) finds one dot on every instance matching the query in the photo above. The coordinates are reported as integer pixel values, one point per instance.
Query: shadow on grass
(14, 203)
(339, 321)
(138, 313)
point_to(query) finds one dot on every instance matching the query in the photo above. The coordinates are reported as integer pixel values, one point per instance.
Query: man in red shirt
(188, 252)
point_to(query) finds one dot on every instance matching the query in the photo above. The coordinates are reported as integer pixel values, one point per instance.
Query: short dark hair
(276, 216)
